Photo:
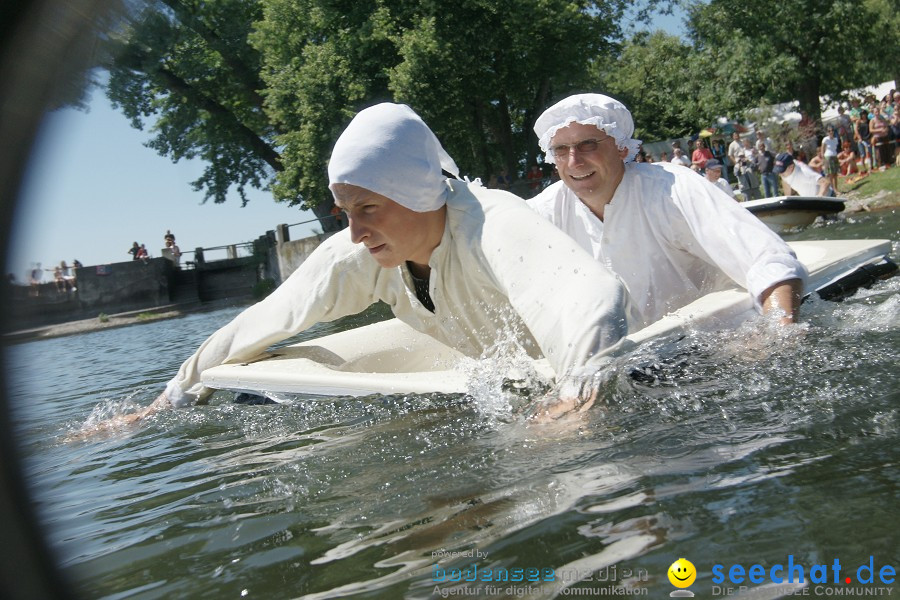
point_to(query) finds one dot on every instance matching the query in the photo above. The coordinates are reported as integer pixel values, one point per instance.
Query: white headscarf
(588, 109)
(388, 149)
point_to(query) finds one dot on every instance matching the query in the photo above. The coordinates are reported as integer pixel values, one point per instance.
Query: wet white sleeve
(732, 238)
(573, 306)
(337, 279)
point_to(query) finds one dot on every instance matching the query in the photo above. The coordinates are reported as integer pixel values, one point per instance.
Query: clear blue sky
(93, 188)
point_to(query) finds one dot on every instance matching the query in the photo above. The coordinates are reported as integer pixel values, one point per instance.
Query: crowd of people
(170, 251)
(862, 138)
(64, 275)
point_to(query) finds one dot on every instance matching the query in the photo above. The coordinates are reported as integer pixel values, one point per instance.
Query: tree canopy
(774, 52)
(260, 89)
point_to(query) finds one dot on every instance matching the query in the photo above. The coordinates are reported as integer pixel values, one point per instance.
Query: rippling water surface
(740, 446)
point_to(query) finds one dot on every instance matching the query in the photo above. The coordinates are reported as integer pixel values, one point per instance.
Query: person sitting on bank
(452, 259)
(670, 235)
(799, 176)
(847, 159)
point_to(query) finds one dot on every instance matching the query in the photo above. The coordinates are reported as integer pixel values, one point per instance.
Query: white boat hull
(392, 358)
(786, 212)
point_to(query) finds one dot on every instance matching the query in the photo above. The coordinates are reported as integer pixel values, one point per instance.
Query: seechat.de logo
(682, 574)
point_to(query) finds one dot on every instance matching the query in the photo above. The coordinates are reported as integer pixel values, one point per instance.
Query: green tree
(760, 51)
(187, 64)
(260, 89)
(652, 76)
(483, 72)
(478, 73)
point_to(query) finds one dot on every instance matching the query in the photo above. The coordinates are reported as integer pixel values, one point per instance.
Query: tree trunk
(480, 153)
(808, 96)
(505, 137)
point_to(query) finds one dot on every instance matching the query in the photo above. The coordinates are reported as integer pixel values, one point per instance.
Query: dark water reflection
(737, 447)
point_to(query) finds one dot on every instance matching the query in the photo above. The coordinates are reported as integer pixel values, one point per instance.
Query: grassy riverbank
(879, 190)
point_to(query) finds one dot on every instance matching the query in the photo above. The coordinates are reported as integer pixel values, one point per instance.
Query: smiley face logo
(682, 573)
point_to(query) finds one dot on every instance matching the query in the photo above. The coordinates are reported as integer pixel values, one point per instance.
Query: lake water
(745, 447)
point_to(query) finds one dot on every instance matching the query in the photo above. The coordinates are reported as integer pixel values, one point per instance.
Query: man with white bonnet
(452, 259)
(670, 235)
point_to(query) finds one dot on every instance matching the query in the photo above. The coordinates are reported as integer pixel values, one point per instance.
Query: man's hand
(119, 422)
(565, 402)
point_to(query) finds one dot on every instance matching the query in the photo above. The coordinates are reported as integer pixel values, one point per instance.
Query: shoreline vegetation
(879, 191)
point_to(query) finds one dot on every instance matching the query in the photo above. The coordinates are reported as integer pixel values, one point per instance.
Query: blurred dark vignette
(43, 44)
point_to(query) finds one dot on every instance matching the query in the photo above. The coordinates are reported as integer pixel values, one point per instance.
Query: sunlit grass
(877, 182)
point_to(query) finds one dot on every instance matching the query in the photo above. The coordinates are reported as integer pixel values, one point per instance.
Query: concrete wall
(138, 285)
(230, 278)
(292, 254)
(114, 288)
(124, 286)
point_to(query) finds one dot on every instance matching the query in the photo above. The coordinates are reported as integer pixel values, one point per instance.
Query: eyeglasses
(583, 147)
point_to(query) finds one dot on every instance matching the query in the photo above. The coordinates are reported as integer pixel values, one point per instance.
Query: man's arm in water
(784, 296)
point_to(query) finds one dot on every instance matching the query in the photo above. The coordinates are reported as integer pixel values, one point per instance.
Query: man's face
(392, 233)
(587, 173)
(713, 174)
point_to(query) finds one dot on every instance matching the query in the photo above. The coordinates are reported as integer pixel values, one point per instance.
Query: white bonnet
(588, 109)
(388, 149)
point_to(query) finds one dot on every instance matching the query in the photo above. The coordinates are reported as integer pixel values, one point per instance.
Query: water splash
(504, 379)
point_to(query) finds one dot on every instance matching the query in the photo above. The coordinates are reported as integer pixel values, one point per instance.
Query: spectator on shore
(817, 162)
(881, 143)
(713, 174)
(735, 150)
(856, 109)
(535, 178)
(663, 157)
(895, 135)
(37, 273)
(701, 155)
(176, 252)
(67, 275)
(504, 181)
(60, 281)
(829, 149)
(765, 161)
(863, 137)
(745, 170)
(767, 142)
(134, 250)
(169, 237)
(847, 159)
(718, 150)
(720, 153)
(799, 176)
(844, 126)
(679, 158)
